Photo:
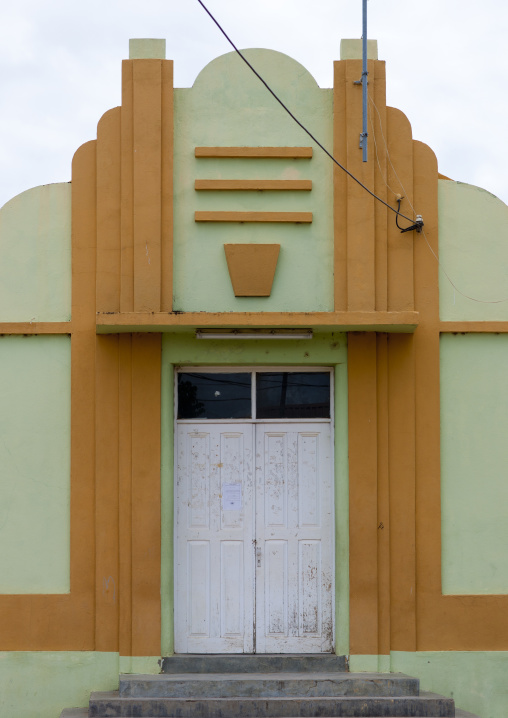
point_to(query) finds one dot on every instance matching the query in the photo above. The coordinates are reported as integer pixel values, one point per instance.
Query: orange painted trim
(147, 189)
(363, 511)
(259, 185)
(146, 496)
(66, 622)
(167, 144)
(246, 152)
(125, 491)
(360, 217)
(489, 327)
(444, 623)
(107, 580)
(383, 496)
(251, 268)
(401, 458)
(296, 217)
(377, 125)
(347, 321)
(400, 178)
(108, 211)
(35, 327)
(126, 190)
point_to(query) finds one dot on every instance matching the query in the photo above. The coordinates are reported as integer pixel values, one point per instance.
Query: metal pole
(364, 80)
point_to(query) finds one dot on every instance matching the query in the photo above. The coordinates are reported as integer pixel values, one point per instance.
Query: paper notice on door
(231, 497)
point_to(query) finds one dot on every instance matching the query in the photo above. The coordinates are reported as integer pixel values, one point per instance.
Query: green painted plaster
(323, 350)
(474, 457)
(35, 255)
(35, 461)
(167, 504)
(369, 664)
(42, 683)
(353, 49)
(147, 48)
(476, 680)
(473, 250)
(341, 511)
(139, 664)
(228, 106)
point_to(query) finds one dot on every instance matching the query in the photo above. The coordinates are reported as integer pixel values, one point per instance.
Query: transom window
(254, 395)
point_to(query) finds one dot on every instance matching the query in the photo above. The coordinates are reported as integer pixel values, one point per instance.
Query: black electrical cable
(297, 120)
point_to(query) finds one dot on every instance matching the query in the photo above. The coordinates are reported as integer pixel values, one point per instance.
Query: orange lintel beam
(168, 321)
(297, 217)
(273, 152)
(211, 184)
(489, 327)
(35, 327)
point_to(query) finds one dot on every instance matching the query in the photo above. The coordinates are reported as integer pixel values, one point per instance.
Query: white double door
(254, 538)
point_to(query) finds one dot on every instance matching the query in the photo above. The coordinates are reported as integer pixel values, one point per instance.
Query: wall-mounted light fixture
(253, 333)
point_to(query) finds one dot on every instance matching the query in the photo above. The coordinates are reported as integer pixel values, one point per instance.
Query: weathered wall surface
(35, 464)
(474, 457)
(41, 683)
(476, 680)
(35, 246)
(228, 106)
(473, 240)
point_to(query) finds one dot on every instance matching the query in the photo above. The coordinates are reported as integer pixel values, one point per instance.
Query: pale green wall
(41, 684)
(229, 106)
(474, 460)
(476, 680)
(35, 255)
(473, 250)
(35, 464)
(322, 350)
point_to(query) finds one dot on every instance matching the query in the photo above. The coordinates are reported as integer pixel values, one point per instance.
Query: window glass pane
(214, 396)
(293, 395)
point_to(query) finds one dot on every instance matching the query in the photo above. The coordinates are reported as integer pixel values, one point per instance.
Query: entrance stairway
(265, 686)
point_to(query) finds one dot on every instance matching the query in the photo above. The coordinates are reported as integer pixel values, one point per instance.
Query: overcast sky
(60, 70)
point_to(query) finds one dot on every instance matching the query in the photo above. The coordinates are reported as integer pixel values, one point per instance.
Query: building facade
(243, 411)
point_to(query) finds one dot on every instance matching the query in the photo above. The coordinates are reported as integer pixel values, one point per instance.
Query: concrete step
(268, 685)
(112, 704)
(250, 663)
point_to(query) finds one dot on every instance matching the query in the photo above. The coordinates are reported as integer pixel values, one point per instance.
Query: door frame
(223, 369)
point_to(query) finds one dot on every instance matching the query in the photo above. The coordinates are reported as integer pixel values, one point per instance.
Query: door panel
(294, 531)
(236, 566)
(214, 550)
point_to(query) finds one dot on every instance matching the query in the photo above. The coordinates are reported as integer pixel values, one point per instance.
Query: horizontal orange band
(253, 217)
(280, 152)
(212, 184)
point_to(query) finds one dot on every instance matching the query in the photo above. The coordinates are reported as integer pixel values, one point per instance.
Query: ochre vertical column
(84, 222)
(363, 511)
(428, 460)
(126, 192)
(401, 384)
(146, 504)
(125, 491)
(360, 258)
(107, 585)
(167, 188)
(147, 205)
(108, 212)
(147, 186)
(376, 124)
(383, 497)
(400, 179)
(360, 212)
